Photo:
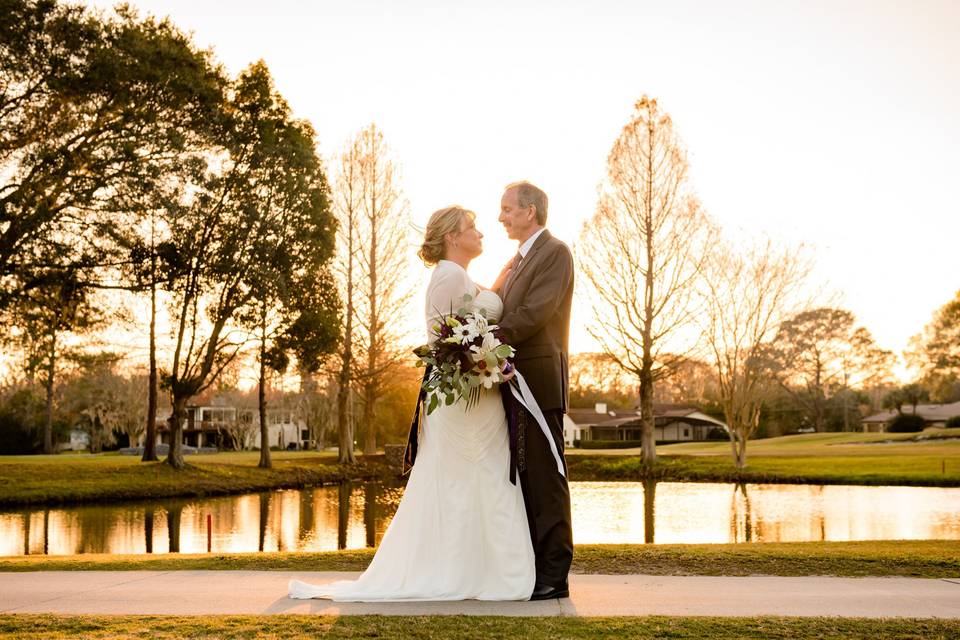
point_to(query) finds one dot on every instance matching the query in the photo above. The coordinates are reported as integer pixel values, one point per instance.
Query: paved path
(264, 592)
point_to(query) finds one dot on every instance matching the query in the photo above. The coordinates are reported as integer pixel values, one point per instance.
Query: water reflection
(353, 516)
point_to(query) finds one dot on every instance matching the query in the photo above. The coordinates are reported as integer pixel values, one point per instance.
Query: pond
(354, 516)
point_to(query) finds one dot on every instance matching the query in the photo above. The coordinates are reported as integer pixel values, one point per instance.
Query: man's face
(518, 222)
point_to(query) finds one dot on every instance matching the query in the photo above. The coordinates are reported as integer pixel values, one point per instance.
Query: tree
(597, 378)
(374, 216)
(293, 303)
(894, 400)
(748, 294)
(914, 394)
(261, 197)
(936, 352)
(642, 251)
(108, 403)
(693, 382)
(89, 106)
(348, 199)
(814, 355)
(41, 319)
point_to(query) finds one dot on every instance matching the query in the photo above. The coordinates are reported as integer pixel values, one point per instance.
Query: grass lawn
(913, 558)
(107, 477)
(831, 458)
(49, 627)
(816, 458)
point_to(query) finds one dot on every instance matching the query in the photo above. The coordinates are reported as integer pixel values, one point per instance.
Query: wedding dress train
(460, 531)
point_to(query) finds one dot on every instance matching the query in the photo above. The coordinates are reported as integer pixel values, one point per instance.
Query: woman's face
(468, 241)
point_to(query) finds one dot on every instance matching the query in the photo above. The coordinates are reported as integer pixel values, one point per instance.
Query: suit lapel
(537, 244)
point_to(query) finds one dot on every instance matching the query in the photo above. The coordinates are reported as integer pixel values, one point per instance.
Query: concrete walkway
(264, 592)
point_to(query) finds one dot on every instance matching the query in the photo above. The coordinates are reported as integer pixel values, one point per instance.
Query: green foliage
(610, 444)
(952, 423)
(96, 111)
(936, 351)
(21, 422)
(906, 423)
(813, 356)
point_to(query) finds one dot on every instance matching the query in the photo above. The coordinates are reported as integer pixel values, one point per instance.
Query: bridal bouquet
(467, 354)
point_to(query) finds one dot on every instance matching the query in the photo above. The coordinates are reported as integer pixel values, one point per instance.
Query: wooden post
(209, 534)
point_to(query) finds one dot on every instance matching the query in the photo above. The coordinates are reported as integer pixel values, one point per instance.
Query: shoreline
(111, 480)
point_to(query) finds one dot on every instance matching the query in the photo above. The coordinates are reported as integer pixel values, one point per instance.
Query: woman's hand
(501, 279)
(508, 372)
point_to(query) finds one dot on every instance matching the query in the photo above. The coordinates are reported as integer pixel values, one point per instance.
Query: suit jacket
(536, 319)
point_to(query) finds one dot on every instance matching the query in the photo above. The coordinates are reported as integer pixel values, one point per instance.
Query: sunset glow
(832, 124)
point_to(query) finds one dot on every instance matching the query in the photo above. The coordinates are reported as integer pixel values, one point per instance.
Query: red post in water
(209, 535)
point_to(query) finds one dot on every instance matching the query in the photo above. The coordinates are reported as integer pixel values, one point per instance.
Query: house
(79, 441)
(218, 423)
(935, 415)
(672, 423)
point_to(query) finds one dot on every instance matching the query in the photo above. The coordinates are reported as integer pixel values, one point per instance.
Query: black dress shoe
(548, 592)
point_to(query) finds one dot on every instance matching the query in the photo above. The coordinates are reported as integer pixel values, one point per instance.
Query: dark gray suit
(537, 297)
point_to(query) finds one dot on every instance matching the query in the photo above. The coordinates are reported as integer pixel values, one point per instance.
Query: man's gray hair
(528, 194)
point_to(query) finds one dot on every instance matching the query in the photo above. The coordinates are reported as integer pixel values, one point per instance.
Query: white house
(672, 423)
(79, 441)
(218, 424)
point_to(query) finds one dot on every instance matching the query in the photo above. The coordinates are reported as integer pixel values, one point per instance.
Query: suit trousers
(547, 500)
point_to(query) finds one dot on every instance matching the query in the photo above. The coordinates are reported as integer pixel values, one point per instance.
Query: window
(686, 432)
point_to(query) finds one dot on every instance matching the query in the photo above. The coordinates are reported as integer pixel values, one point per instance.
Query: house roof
(617, 417)
(929, 412)
(660, 410)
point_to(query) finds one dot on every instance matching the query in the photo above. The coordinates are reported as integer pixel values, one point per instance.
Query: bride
(460, 531)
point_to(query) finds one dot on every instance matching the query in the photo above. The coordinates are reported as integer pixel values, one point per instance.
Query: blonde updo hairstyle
(442, 222)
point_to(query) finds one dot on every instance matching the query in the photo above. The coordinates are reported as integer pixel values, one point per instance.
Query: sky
(833, 124)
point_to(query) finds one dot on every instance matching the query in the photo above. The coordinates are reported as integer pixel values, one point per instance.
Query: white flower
(480, 322)
(489, 343)
(465, 333)
(489, 377)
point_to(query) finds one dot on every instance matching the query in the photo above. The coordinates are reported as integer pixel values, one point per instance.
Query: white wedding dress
(460, 531)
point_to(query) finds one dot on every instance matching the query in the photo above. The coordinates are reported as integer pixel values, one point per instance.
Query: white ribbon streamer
(525, 397)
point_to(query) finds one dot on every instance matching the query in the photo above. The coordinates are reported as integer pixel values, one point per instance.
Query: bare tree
(642, 251)
(347, 201)
(747, 296)
(374, 220)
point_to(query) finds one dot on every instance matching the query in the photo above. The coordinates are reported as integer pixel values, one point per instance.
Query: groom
(537, 291)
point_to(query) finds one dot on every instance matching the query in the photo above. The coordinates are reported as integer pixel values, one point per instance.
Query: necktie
(517, 259)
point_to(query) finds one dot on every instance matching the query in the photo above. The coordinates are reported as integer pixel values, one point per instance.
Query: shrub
(953, 423)
(609, 444)
(906, 423)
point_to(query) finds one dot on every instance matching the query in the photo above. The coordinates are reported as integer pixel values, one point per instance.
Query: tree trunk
(648, 440)
(48, 385)
(649, 512)
(173, 528)
(369, 420)
(741, 453)
(265, 462)
(175, 424)
(150, 441)
(344, 426)
(343, 513)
